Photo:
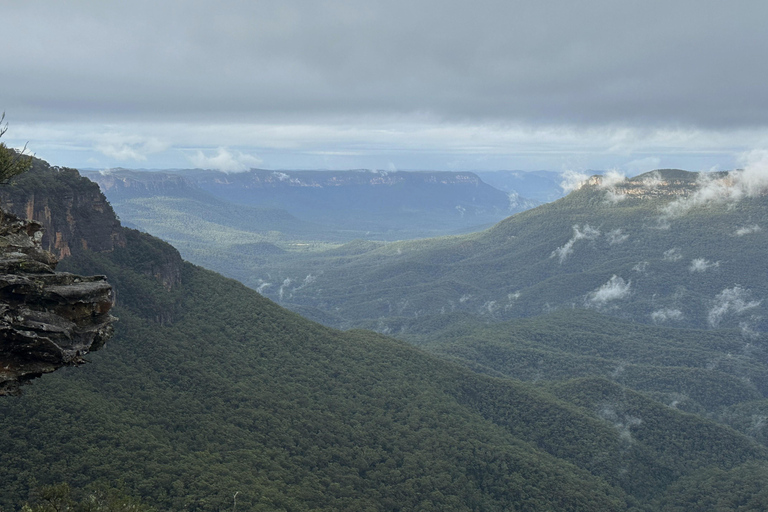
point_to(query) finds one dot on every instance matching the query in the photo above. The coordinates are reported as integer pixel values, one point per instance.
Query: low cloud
(748, 230)
(652, 181)
(572, 180)
(588, 233)
(702, 265)
(666, 314)
(615, 289)
(130, 148)
(286, 283)
(224, 160)
(616, 237)
(622, 422)
(610, 179)
(716, 188)
(731, 301)
(672, 254)
(609, 182)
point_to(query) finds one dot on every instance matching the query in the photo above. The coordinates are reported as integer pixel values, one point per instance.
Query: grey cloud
(598, 62)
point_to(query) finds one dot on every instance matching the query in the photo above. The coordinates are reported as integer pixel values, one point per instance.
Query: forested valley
(555, 385)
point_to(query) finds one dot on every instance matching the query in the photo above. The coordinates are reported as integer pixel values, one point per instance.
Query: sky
(394, 85)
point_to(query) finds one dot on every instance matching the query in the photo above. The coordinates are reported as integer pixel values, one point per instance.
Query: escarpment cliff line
(51, 319)
(48, 319)
(74, 214)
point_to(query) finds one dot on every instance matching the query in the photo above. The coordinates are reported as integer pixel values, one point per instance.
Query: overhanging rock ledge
(48, 319)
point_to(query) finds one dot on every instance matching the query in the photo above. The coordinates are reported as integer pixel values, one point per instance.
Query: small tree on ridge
(12, 162)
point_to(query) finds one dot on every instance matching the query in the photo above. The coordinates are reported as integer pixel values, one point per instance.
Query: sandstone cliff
(48, 319)
(73, 212)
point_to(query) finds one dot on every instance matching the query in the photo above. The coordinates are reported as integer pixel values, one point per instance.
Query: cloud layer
(549, 84)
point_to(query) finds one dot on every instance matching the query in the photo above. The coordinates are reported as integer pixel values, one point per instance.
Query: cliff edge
(48, 319)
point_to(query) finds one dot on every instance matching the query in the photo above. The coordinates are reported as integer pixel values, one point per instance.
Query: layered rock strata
(48, 319)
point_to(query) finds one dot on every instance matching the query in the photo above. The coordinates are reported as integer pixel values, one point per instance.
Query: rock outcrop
(48, 319)
(74, 213)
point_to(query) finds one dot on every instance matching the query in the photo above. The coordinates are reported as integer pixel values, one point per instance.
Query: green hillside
(209, 389)
(231, 393)
(662, 253)
(695, 369)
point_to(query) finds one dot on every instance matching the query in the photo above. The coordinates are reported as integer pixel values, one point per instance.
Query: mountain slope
(209, 389)
(655, 249)
(232, 393)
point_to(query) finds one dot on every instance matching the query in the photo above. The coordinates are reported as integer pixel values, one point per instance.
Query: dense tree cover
(98, 498)
(718, 374)
(209, 390)
(238, 395)
(741, 489)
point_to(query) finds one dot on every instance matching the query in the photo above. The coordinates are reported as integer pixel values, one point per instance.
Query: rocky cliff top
(74, 213)
(48, 319)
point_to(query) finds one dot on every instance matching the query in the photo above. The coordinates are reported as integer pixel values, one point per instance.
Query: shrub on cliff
(12, 162)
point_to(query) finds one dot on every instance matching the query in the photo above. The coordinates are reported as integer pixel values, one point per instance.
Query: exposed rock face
(74, 213)
(661, 183)
(48, 319)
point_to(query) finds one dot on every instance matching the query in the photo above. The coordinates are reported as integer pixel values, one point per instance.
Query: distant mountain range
(336, 205)
(236, 223)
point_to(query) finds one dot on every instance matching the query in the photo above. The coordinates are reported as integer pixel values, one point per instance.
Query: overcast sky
(444, 84)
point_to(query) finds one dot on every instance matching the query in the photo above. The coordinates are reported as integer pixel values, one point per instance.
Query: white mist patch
(748, 230)
(263, 286)
(652, 181)
(672, 254)
(748, 332)
(224, 160)
(616, 373)
(587, 233)
(512, 299)
(285, 285)
(572, 180)
(622, 423)
(752, 181)
(125, 148)
(306, 282)
(616, 237)
(608, 182)
(615, 289)
(610, 179)
(666, 314)
(641, 267)
(702, 265)
(281, 176)
(490, 307)
(731, 301)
